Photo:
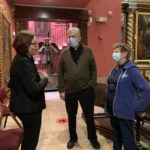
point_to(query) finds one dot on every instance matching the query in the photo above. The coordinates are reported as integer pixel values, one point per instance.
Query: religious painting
(42, 28)
(142, 43)
(5, 49)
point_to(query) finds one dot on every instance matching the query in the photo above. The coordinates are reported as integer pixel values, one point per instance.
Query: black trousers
(123, 135)
(86, 98)
(32, 125)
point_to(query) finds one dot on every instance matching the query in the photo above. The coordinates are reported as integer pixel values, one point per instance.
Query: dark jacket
(74, 77)
(132, 92)
(27, 89)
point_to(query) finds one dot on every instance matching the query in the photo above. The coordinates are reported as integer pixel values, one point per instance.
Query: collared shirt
(76, 53)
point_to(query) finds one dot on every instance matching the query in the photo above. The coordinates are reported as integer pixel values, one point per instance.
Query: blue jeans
(123, 134)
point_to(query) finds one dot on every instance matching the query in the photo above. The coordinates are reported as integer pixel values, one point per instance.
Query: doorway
(52, 40)
(51, 17)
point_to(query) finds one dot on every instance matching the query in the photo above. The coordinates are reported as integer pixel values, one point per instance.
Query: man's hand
(62, 96)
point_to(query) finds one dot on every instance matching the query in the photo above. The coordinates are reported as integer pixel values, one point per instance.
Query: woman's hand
(43, 74)
(62, 96)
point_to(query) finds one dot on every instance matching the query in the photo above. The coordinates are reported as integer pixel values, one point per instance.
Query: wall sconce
(89, 21)
(90, 18)
(90, 12)
(104, 19)
(109, 13)
(13, 33)
(101, 19)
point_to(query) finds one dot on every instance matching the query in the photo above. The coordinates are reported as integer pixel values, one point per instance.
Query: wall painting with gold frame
(142, 42)
(5, 48)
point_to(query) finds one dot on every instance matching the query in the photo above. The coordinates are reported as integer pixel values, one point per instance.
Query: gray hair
(75, 30)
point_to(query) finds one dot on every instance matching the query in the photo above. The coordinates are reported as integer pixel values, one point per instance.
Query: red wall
(101, 36)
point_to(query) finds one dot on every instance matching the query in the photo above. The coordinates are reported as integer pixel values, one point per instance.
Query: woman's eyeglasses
(34, 43)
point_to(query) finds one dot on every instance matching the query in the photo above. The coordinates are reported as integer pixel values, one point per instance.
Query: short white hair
(75, 30)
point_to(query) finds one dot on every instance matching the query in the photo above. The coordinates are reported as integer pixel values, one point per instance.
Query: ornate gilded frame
(5, 46)
(135, 1)
(142, 51)
(133, 9)
(138, 1)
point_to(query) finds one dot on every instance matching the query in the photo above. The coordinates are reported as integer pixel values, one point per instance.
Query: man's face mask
(73, 42)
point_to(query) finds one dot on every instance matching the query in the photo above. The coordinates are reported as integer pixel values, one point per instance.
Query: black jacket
(27, 89)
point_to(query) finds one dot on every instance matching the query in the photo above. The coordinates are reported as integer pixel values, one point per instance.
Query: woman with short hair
(128, 94)
(27, 88)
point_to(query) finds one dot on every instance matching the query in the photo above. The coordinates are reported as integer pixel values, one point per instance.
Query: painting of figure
(143, 37)
(42, 28)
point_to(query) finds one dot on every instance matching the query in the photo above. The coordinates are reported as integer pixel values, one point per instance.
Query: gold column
(130, 28)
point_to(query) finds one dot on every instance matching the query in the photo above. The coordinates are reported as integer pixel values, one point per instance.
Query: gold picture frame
(5, 49)
(135, 1)
(142, 44)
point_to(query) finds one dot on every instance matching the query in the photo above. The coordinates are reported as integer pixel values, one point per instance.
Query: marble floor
(54, 131)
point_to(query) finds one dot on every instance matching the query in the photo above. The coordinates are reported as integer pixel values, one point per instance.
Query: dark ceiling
(54, 3)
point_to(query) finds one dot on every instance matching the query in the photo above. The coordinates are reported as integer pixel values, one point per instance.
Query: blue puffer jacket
(132, 92)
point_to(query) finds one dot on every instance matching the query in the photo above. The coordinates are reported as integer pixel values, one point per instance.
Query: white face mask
(116, 56)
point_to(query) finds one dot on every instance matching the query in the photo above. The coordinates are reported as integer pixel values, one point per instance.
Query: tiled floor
(52, 96)
(54, 131)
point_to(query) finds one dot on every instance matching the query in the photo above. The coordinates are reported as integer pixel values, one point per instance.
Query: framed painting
(5, 49)
(142, 40)
(42, 28)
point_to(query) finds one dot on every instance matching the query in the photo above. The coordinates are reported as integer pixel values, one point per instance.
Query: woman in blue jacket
(128, 94)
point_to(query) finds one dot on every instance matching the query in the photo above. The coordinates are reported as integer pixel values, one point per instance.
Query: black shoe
(71, 143)
(95, 144)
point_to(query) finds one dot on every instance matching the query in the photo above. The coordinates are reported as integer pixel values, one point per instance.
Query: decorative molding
(4, 54)
(4, 11)
(130, 27)
(11, 4)
(1, 52)
(147, 74)
(135, 1)
(144, 69)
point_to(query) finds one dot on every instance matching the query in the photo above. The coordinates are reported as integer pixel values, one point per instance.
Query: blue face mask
(73, 42)
(116, 56)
